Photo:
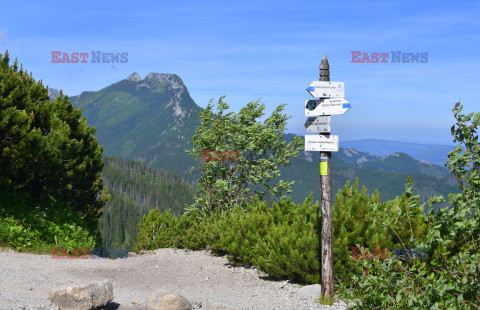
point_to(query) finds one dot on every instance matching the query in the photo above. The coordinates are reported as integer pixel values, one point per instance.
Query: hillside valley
(146, 124)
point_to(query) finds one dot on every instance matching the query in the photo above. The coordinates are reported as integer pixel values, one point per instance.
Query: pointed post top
(324, 69)
(324, 63)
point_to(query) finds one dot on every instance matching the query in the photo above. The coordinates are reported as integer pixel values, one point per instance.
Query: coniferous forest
(135, 189)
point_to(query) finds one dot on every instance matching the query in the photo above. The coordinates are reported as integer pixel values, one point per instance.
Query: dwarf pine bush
(283, 240)
(449, 278)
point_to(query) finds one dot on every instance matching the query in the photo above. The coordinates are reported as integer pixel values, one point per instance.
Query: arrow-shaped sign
(322, 89)
(323, 143)
(318, 124)
(326, 107)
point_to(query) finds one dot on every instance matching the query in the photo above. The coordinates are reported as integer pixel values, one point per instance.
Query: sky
(269, 50)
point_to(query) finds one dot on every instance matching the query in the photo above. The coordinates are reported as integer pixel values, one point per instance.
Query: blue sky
(271, 50)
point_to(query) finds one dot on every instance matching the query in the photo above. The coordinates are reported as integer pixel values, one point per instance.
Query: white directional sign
(321, 89)
(323, 143)
(326, 107)
(318, 124)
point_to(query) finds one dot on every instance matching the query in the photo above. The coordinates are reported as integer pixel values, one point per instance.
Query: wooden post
(326, 184)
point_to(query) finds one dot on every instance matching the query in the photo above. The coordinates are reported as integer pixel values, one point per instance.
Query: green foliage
(152, 231)
(449, 278)
(24, 227)
(4, 232)
(355, 224)
(326, 300)
(283, 239)
(261, 151)
(135, 189)
(258, 235)
(290, 248)
(352, 226)
(46, 147)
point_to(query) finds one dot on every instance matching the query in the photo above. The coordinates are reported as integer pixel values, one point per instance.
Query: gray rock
(196, 304)
(310, 291)
(218, 306)
(134, 77)
(83, 297)
(164, 300)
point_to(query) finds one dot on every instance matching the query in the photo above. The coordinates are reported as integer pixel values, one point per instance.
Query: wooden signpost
(325, 144)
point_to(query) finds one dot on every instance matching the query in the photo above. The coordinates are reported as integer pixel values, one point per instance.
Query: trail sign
(326, 107)
(318, 124)
(322, 143)
(323, 89)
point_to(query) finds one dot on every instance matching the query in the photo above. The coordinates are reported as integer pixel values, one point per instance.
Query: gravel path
(200, 277)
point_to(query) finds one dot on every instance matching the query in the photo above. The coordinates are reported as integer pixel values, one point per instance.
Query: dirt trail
(200, 277)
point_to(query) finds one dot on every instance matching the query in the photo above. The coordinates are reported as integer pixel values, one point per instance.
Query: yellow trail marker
(323, 166)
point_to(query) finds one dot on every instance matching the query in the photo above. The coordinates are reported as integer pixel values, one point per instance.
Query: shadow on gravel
(231, 265)
(262, 277)
(110, 306)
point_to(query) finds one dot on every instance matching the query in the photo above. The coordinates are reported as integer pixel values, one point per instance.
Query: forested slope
(135, 189)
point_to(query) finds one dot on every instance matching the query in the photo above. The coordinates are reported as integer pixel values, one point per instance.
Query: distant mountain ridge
(385, 173)
(150, 120)
(435, 154)
(394, 162)
(153, 120)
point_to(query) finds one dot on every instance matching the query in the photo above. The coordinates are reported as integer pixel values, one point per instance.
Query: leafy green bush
(156, 230)
(261, 150)
(283, 239)
(26, 223)
(4, 232)
(450, 277)
(355, 225)
(290, 248)
(46, 147)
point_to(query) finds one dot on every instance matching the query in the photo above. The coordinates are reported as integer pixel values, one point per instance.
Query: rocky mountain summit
(150, 120)
(53, 93)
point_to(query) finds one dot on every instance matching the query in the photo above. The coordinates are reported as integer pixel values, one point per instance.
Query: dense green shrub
(4, 232)
(156, 230)
(26, 223)
(261, 152)
(291, 248)
(46, 147)
(355, 225)
(283, 240)
(450, 277)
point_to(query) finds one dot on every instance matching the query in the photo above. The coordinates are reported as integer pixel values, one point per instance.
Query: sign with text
(326, 107)
(318, 124)
(322, 89)
(322, 143)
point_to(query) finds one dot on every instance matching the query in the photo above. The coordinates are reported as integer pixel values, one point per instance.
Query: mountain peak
(53, 93)
(134, 77)
(174, 80)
